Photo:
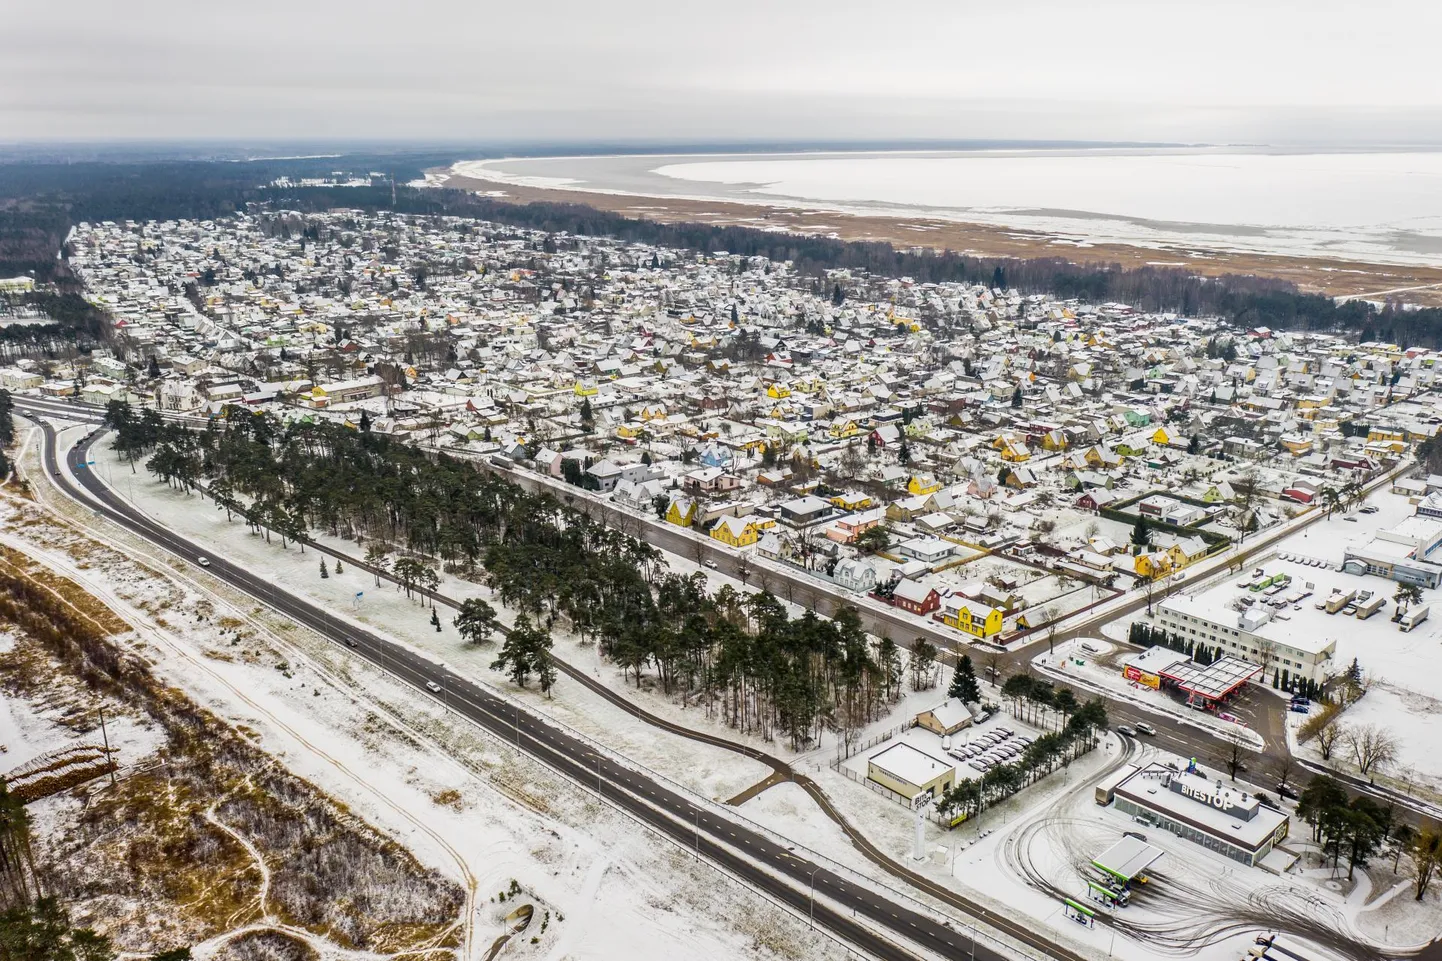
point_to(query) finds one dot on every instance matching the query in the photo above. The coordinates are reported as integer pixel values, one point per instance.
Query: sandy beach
(1337, 278)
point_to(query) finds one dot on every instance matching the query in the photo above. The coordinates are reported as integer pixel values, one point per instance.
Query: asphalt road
(849, 911)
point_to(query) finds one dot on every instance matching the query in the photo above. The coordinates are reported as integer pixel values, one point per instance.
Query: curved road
(754, 857)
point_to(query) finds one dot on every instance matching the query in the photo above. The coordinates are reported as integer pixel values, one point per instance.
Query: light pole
(811, 896)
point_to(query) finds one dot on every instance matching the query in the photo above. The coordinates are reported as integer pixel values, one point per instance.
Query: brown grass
(1313, 274)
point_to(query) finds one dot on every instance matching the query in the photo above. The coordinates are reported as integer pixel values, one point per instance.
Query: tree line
(740, 656)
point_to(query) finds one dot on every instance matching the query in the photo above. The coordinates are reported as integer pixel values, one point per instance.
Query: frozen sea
(1379, 206)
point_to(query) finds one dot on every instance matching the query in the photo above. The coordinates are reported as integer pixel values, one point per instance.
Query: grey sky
(1220, 70)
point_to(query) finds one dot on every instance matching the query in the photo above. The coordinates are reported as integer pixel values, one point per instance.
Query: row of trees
(1077, 735)
(740, 655)
(1359, 827)
(7, 429)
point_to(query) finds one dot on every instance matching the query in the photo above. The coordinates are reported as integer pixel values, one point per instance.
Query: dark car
(1288, 792)
(1301, 709)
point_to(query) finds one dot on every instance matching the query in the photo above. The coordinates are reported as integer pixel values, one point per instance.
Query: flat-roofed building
(910, 771)
(1229, 819)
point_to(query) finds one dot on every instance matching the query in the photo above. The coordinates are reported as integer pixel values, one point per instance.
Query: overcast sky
(1273, 71)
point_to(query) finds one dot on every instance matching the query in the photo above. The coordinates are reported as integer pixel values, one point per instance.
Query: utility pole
(105, 736)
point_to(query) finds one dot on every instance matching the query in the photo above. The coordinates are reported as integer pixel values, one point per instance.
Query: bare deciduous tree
(1373, 747)
(1327, 738)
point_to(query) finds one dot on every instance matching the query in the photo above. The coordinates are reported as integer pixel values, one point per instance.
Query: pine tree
(963, 682)
(338, 568)
(323, 572)
(435, 620)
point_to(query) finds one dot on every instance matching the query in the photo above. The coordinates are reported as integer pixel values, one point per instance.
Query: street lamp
(811, 896)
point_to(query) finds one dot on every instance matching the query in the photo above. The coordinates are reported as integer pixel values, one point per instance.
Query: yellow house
(653, 412)
(1053, 440)
(1013, 452)
(778, 390)
(1154, 565)
(852, 501)
(736, 531)
(1161, 436)
(978, 620)
(843, 428)
(629, 430)
(1385, 434)
(585, 388)
(1297, 444)
(682, 512)
(921, 484)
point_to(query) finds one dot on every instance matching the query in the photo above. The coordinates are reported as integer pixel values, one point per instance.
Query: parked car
(1144, 728)
(1134, 834)
(1301, 709)
(1370, 509)
(1288, 792)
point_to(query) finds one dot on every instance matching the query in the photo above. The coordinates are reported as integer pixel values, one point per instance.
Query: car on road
(1288, 792)
(433, 687)
(1126, 729)
(203, 561)
(351, 642)
(1144, 728)
(711, 564)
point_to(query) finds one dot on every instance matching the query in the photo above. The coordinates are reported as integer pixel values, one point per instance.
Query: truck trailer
(1372, 605)
(1339, 600)
(1413, 617)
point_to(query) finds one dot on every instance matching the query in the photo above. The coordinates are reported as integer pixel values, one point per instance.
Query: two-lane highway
(862, 916)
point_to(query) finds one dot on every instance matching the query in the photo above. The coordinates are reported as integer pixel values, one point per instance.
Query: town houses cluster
(973, 456)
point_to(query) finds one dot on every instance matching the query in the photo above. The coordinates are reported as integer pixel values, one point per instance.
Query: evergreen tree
(365, 421)
(476, 620)
(154, 369)
(435, 620)
(7, 420)
(1141, 534)
(1016, 397)
(338, 568)
(963, 682)
(323, 572)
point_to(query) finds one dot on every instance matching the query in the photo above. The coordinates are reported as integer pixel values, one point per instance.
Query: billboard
(1139, 676)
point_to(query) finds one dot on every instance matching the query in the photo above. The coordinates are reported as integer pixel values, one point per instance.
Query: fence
(845, 750)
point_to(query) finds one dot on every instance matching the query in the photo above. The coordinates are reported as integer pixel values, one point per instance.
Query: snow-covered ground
(392, 757)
